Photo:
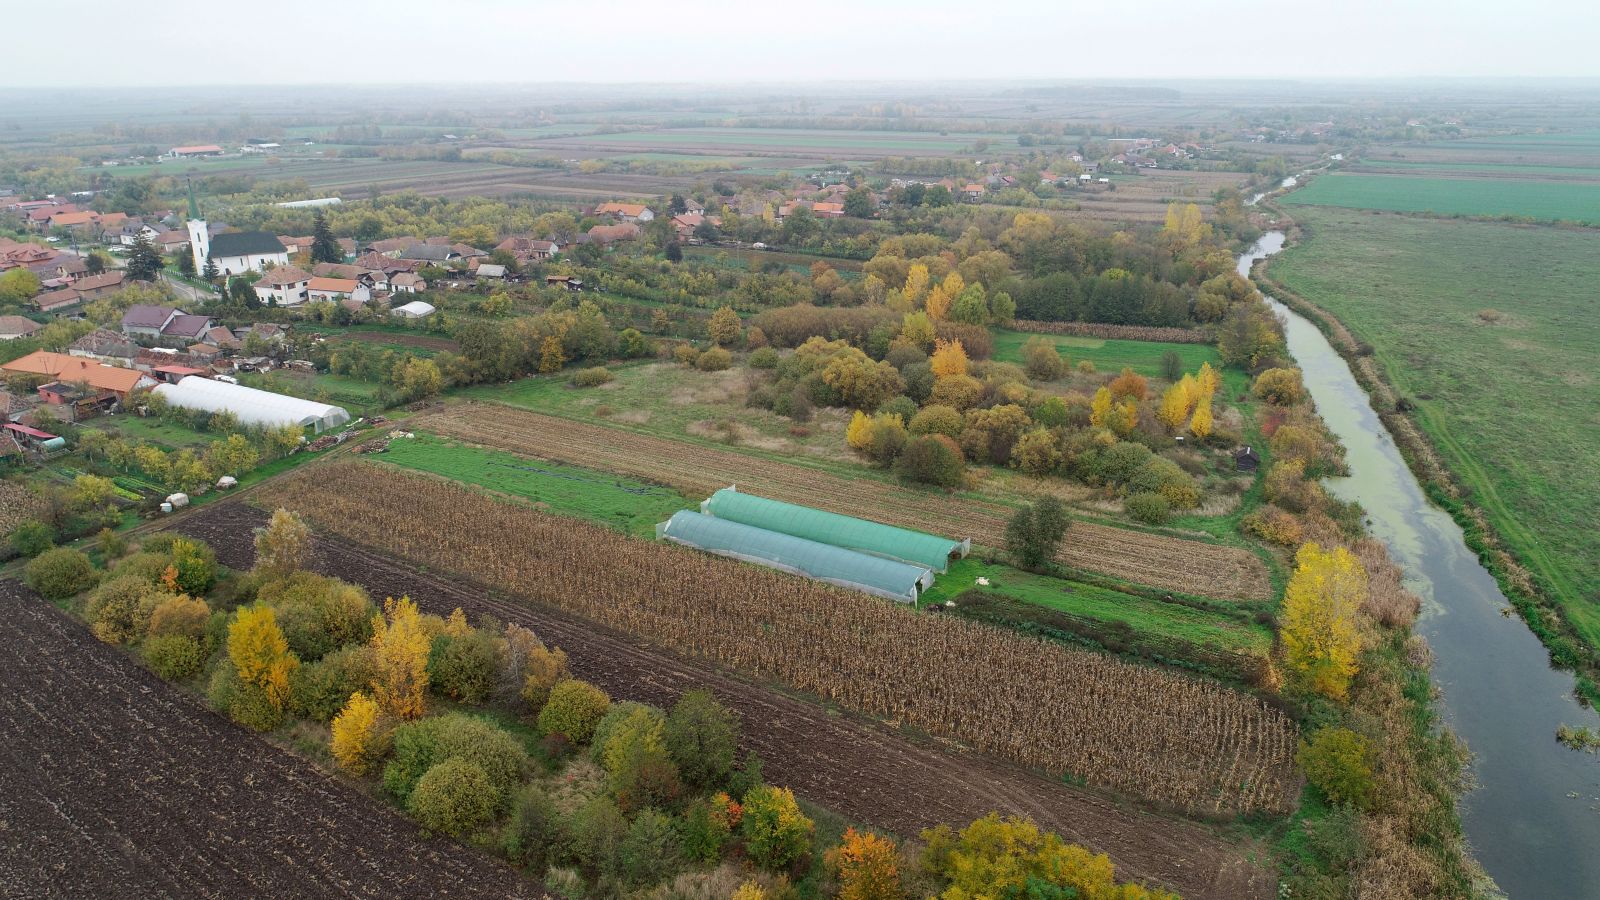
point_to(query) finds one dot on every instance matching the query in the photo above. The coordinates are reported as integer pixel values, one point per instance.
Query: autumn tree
(949, 358)
(551, 355)
(283, 547)
(400, 649)
(1129, 385)
(916, 286)
(725, 328)
(1100, 407)
(1174, 406)
(867, 866)
(917, 329)
(260, 653)
(1210, 382)
(937, 303)
(1042, 359)
(1321, 634)
(1012, 857)
(776, 832)
(1200, 425)
(1339, 762)
(357, 734)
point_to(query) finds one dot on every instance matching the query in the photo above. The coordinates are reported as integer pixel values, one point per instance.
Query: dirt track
(843, 762)
(116, 784)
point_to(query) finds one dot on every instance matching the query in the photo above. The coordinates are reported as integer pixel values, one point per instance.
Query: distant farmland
(1455, 196)
(767, 140)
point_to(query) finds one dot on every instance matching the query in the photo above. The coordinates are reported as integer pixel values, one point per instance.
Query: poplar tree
(1321, 635)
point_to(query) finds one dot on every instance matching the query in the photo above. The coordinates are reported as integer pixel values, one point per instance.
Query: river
(1534, 819)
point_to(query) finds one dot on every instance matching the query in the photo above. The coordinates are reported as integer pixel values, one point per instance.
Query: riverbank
(1530, 814)
(1524, 588)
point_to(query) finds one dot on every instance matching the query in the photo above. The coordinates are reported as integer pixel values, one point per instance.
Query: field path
(844, 762)
(114, 783)
(1156, 560)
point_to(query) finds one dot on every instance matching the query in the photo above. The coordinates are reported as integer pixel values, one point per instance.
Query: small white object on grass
(949, 603)
(983, 580)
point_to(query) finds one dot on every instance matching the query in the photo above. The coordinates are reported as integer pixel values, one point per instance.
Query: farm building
(416, 309)
(251, 406)
(889, 578)
(860, 535)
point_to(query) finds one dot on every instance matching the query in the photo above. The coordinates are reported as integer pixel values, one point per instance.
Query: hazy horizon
(718, 42)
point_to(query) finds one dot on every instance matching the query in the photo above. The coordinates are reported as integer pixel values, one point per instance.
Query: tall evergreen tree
(144, 262)
(185, 261)
(211, 272)
(324, 246)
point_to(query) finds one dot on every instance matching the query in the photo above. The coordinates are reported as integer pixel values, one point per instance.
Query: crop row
(1147, 732)
(1157, 560)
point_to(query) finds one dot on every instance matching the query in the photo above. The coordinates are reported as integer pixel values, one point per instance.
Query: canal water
(1534, 819)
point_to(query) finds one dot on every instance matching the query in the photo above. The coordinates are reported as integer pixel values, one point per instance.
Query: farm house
(251, 406)
(888, 578)
(860, 535)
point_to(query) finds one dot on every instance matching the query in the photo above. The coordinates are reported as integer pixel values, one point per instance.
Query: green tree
(1339, 762)
(573, 710)
(859, 203)
(324, 246)
(184, 260)
(650, 851)
(144, 261)
(701, 736)
(60, 573)
(454, 797)
(18, 285)
(96, 263)
(1035, 531)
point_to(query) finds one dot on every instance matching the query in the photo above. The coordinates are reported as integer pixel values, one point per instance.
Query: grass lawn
(162, 433)
(1454, 196)
(1513, 406)
(630, 506)
(1122, 621)
(1109, 355)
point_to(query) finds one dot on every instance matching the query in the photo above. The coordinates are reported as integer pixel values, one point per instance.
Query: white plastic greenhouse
(251, 406)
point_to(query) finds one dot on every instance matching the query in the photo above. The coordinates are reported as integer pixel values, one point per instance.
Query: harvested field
(846, 763)
(1142, 731)
(116, 784)
(17, 505)
(1157, 560)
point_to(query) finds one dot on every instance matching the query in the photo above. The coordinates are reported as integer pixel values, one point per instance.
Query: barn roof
(858, 571)
(860, 535)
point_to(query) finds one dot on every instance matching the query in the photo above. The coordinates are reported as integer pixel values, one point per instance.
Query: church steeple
(194, 208)
(199, 236)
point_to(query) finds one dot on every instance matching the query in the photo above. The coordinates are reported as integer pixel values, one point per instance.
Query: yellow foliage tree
(551, 356)
(858, 434)
(1123, 419)
(400, 646)
(750, 890)
(725, 328)
(261, 654)
(917, 329)
(1200, 425)
(1208, 378)
(938, 303)
(357, 741)
(949, 358)
(953, 285)
(1100, 407)
(1321, 633)
(868, 867)
(456, 626)
(1174, 406)
(916, 287)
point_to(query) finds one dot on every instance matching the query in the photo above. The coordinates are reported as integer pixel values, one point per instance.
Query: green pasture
(1491, 330)
(1111, 355)
(160, 432)
(1486, 168)
(630, 506)
(1454, 196)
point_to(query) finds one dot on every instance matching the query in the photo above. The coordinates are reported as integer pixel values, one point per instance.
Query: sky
(224, 42)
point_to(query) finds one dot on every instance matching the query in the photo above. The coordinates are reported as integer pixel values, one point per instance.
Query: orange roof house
(72, 369)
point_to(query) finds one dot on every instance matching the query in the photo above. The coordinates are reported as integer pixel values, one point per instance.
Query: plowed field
(116, 784)
(844, 762)
(1156, 560)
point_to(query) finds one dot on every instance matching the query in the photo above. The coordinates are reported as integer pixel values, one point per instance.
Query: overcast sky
(747, 41)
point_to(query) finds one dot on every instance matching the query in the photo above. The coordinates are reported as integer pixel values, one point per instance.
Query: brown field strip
(114, 783)
(1160, 561)
(858, 768)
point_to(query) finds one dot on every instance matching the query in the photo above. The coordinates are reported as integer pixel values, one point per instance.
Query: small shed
(27, 438)
(1246, 459)
(861, 535)
(875, 575)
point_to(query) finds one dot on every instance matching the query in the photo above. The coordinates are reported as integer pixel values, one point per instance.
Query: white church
(235, 251)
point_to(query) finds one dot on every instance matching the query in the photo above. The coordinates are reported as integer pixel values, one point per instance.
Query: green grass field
(1109, 355)
(633, 507)
(1454, 196)
(1514, 406)
(160, 432)
(1485, 168)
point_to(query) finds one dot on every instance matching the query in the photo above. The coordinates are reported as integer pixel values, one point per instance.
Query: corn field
(1166, 738)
